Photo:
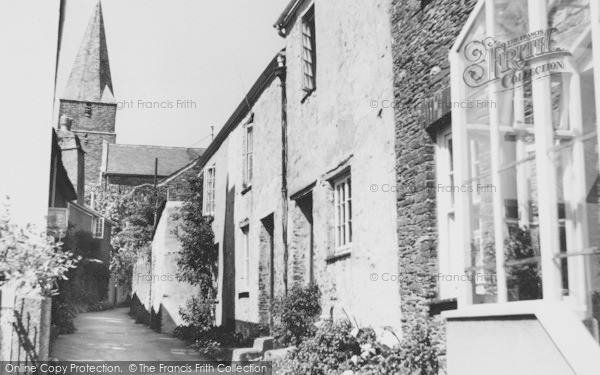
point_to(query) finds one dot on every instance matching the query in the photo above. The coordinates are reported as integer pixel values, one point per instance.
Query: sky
(204, 54)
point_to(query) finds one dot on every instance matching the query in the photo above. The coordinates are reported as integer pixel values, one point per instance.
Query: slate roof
(138, 160)
(90, 79)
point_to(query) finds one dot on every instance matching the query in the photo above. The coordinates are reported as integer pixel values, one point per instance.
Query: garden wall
(24, 326)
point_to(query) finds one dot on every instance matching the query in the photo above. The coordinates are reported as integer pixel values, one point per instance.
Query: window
(309, 51)
(446, 191)
(246, 256)
(98, 227)
(209, 190)
(343, 213)
(248, 155)
(88, 110)
(526, 142)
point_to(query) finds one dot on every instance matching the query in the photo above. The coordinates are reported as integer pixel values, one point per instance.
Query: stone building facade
(422, 38)
(290, 177)
(340, 148)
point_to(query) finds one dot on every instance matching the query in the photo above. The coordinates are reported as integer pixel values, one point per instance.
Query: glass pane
(574, 156)
(482, 253)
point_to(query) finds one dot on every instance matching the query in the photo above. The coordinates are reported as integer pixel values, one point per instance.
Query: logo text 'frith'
(513, 62)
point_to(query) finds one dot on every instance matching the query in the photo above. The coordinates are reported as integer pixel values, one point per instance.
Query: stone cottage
(289, 179)
(242, 172)
(340, 131)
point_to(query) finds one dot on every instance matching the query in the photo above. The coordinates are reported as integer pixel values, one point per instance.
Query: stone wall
(140, 290)
(422, 39)
(102, 120)
(24, 326)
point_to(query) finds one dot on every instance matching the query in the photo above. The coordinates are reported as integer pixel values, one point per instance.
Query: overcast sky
(208, 52)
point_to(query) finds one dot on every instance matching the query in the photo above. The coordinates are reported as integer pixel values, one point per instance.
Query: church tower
(88, 103)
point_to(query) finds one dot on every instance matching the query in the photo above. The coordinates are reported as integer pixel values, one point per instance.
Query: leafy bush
(327, 352)
(524, 281)
(337, 347)
(198, 314)
(213, 342)
(295, 314)
(418, 353)
(30, 259)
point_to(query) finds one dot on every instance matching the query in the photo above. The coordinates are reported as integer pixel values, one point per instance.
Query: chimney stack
(64, 123)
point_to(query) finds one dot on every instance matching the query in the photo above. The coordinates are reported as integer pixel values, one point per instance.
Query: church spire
(90, 79)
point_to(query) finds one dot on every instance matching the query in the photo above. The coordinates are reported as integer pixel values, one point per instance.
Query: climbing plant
(198, 258)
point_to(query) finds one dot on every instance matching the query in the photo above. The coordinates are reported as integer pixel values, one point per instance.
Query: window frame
(98, 227)
(445, 211)
(245, 258)
(549, 241)
(208, 205)
(88, 111)
(309, 50)
(345, 183)
(248, 154)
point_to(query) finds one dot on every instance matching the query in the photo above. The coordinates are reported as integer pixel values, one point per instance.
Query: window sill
(438, 305)
(488, 310)
(339, 255)
(246, 189)
(307, 93)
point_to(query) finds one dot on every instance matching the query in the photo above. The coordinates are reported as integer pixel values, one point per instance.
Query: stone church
(88, 108)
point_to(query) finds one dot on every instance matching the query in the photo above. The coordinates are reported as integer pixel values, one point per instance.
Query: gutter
(282, 74)
(284, 18)
(238, 115)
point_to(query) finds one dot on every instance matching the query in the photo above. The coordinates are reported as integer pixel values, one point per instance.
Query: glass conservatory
(525, 142)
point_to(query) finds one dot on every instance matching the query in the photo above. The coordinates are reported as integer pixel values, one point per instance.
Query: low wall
(24, 326)
(157, 293)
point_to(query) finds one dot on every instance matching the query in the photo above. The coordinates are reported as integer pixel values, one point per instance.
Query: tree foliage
(30, 259)
(133, 209)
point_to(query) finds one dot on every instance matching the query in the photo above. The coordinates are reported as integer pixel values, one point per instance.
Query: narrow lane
(113, 336)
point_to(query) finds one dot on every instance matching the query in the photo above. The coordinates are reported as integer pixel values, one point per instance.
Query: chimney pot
(65, 123)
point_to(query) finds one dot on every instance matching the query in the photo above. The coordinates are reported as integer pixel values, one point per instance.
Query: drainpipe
(281, 73)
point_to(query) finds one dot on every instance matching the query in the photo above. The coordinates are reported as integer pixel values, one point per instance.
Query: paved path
(113, 336)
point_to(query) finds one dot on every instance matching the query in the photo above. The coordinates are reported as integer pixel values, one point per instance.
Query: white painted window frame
(309, 52)
(549, 241)
(246, 257)
(343, 185)
(98, 227)
(210, 174)
(248, 154)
